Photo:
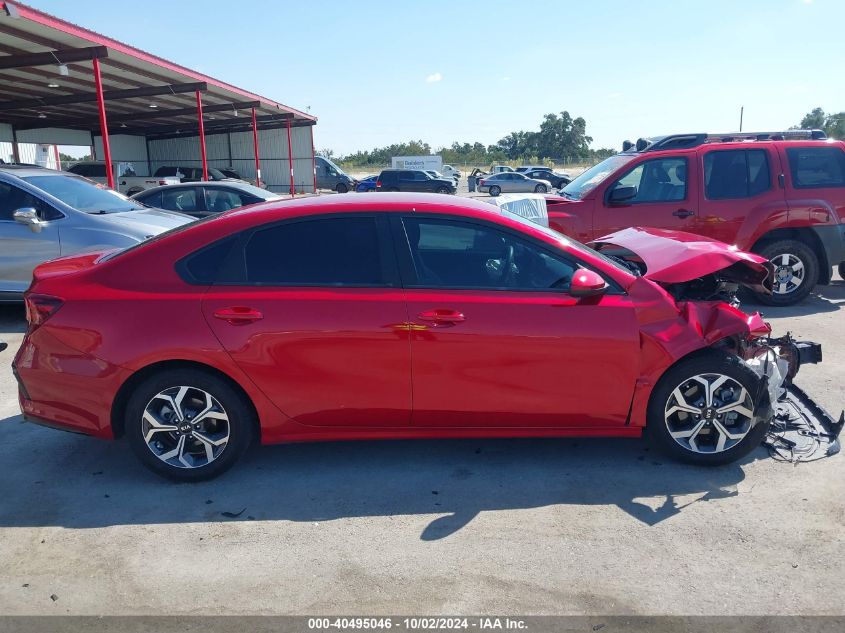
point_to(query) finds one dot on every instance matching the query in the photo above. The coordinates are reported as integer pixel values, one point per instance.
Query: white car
(450, 172)
(125, 179)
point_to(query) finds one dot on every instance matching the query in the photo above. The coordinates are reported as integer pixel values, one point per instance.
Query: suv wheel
(841, 269)
(341, 188)
(188, 425)
(540, 189)
(443, 190)
(495, 190)
(796, 272)
(702, 410)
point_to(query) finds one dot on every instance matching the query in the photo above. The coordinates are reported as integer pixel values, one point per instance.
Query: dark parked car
(200, 199)
(413, 180)
(557, 180)
(367, 184)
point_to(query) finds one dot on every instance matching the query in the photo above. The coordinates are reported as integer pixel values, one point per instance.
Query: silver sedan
(512, 182)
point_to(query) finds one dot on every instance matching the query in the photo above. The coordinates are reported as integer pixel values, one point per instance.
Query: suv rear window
(736, 173)
(816, 167)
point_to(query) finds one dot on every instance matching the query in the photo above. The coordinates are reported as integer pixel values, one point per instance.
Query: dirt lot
(509, 527)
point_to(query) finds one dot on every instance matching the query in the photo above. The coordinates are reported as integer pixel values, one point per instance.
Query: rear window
(324, 252)
(202, 267)
(732, 174)
(816, 167)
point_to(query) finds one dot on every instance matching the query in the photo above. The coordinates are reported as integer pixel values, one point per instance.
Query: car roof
(22, 171)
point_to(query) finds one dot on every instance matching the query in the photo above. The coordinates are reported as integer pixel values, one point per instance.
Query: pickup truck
(125, 179)
(778, 194)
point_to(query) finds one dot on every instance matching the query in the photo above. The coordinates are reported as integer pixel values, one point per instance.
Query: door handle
(238, 315)
(683, 213)
(446, 317)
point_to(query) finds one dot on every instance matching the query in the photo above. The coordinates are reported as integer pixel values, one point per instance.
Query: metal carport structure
(64, 84)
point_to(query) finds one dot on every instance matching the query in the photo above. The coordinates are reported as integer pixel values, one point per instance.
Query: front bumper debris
(801, 429)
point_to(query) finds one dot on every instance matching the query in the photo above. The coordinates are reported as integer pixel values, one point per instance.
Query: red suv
(398, 316)
(781, 195)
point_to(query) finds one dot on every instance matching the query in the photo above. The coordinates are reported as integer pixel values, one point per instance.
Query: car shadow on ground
(823, 299)
(57, 479)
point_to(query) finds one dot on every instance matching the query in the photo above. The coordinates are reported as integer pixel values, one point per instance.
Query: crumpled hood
(672, 257)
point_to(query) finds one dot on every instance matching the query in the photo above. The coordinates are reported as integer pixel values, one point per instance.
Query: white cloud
(433, 78)
(506, 78)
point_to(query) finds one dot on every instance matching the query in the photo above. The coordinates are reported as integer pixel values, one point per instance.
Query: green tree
(832, 124)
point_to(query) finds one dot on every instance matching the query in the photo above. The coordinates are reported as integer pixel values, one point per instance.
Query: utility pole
(741, 111)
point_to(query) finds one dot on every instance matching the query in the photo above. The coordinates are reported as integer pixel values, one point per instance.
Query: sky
(376, 73)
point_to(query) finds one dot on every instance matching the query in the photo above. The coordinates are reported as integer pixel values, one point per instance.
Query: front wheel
(341, 188)
(495, 190)
(443, 190)
(702, 410)
(188, 425)
(796, 272)
(540, 189)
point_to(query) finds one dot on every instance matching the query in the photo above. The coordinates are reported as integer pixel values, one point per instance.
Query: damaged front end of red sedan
(704, 277)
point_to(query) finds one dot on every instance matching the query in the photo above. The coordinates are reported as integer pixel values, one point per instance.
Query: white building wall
(57, 136)
(125, 148)
(273, 146)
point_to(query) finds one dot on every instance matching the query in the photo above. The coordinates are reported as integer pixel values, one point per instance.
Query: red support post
(313, 160)
(58, 160)
(202, 138)
(104, 128)
(255, 148)
(290, 162)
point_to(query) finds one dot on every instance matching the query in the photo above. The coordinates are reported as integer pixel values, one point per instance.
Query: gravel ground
(507, 526)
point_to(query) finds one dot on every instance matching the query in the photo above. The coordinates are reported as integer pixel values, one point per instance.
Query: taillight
(162, 182)
(39, 308)
(481, 183)
(378, 183)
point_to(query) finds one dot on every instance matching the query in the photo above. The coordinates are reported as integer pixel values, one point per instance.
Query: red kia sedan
(398, 316)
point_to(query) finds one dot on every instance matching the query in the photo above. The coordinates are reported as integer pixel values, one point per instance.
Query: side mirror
(28, 216)
(586, 283)
(622, 194)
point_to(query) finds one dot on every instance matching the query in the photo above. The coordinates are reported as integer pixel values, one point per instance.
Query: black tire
(540, 189)
(774, 252)
(341, 188)
(240, 420)
(495, 190)
(841, 269)
(132, 192)
(444, 190)
(681, 375)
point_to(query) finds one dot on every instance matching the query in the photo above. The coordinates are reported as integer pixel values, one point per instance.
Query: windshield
(333, 166)
(564, 240)
(83, 195)
(594, 176)
(258, 192)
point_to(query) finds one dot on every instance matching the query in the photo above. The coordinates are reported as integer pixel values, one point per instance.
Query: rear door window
(321, 252)
(816, 167)
(179, 199)
(732, 174)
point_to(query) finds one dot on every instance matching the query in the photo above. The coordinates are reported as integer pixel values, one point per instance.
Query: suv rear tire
(796, 272)
(682, 424)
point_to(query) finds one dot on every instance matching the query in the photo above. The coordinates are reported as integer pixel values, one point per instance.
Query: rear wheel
(702, 410)
(796, 272)
(495, 190)
(188, 425)
(540, 189)
(341, 188)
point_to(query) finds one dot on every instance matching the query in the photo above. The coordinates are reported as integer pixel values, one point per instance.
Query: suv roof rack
(684, 141)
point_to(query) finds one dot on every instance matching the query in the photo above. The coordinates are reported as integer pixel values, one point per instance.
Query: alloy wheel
(709, 413)
(185, 427)
(789, 273)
